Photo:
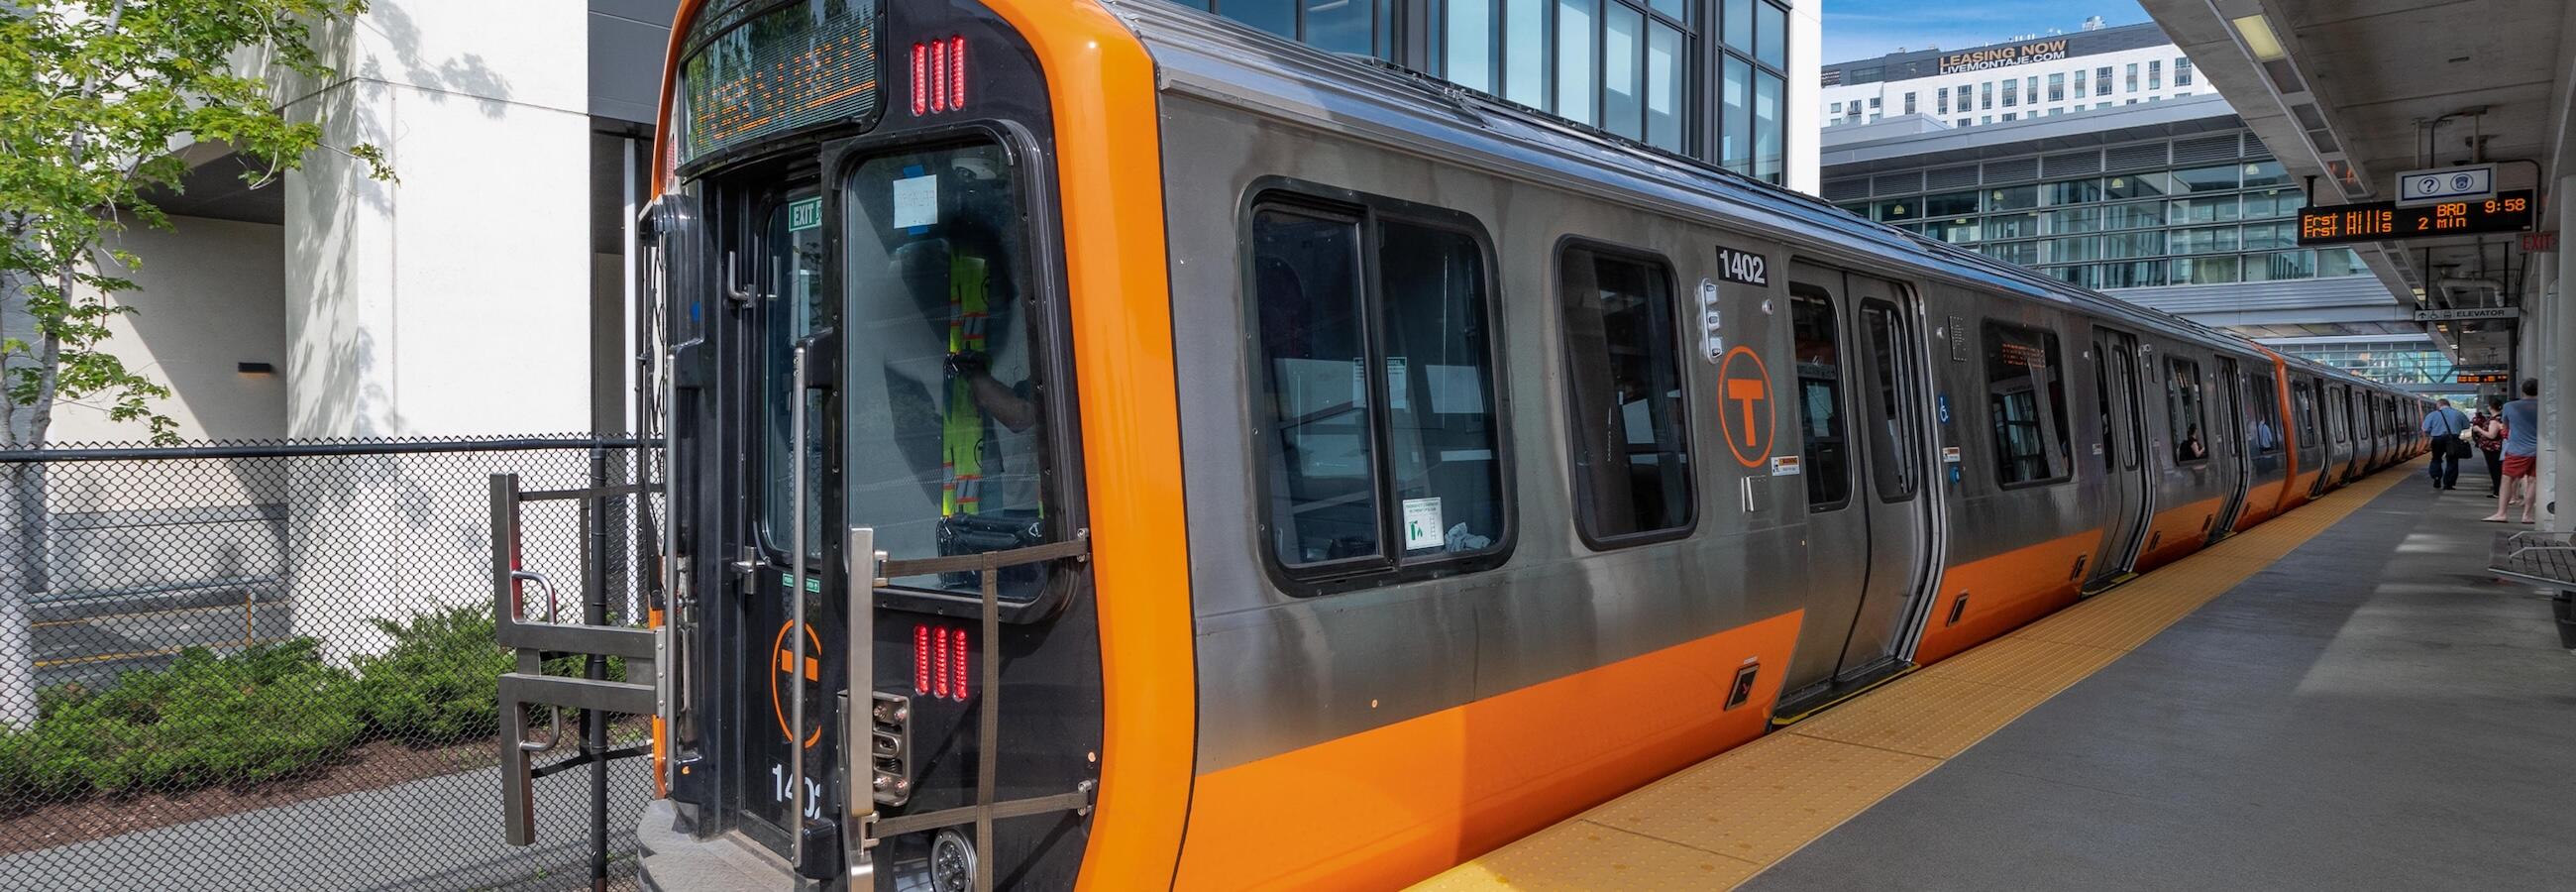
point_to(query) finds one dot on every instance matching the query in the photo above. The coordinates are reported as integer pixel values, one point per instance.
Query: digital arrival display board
(767, 74)
(2384, 221)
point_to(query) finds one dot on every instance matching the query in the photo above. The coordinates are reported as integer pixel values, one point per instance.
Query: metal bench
(2543, 559)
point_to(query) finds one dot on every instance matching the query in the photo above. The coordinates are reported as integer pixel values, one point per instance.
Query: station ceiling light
(2259, 38)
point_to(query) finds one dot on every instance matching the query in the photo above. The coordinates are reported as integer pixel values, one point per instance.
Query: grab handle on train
(858, 717)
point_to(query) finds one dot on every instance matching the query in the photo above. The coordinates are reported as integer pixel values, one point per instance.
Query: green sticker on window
(804, 215)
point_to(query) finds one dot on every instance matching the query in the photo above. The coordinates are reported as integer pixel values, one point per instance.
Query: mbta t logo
(1744, 384)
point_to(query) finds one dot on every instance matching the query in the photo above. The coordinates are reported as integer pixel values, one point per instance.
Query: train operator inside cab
(957, 373)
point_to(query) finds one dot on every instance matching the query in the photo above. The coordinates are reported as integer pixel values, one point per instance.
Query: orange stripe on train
(1395, 804)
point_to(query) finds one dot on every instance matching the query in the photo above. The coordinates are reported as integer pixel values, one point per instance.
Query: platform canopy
(2356, 92)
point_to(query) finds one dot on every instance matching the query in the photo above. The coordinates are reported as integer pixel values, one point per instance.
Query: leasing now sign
(1998, 57)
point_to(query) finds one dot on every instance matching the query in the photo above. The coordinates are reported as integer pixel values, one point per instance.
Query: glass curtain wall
(1706, 78)
(2200, 224)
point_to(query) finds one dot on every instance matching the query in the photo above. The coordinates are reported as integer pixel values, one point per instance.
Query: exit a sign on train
(2384, 221)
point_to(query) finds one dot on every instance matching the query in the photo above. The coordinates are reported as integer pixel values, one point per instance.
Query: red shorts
(2521, 465)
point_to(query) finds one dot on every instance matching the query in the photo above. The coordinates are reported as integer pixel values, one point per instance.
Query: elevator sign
(2384, 221)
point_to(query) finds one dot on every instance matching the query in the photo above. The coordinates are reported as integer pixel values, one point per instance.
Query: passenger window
(1820, 397)
(1378, 444)
(2303, 396)
(1631, 452)
(1319, 452)
(2026, 399)
(2182, 411)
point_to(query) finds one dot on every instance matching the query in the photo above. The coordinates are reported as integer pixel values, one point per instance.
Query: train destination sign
(2382, 221)
(2002, 56)
(2484, 378)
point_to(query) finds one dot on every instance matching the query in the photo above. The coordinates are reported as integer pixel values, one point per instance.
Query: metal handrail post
(796, 633)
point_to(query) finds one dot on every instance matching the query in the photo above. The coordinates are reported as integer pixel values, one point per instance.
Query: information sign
(2384, 221)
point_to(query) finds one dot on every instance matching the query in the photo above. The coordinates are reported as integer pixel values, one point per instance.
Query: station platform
(2341, 698)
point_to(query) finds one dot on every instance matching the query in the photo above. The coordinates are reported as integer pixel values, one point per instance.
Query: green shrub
(259, 715)
(439, 684)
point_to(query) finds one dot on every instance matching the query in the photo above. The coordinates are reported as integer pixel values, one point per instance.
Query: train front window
(946, 426)
(792, 299)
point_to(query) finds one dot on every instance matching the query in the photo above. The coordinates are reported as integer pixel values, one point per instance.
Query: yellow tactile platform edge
(1720, 822)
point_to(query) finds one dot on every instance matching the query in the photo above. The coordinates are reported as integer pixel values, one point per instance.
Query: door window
(1631, 451)
(2183, 412)
(1894, 472)
(2264, 432)
(1820, 396)
(2026, 402)
(793, 299)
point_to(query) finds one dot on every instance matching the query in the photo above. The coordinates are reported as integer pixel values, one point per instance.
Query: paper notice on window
(1422, 527)
(916, 201)
(1456, 389)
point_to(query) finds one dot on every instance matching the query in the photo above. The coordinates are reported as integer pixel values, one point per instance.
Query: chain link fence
(270, 666)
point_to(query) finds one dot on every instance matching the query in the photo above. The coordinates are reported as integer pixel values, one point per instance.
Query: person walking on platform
(2444, 426)
(2489, 430)
(2521, 453)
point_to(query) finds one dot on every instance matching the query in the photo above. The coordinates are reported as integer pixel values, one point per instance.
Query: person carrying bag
(2446, 425)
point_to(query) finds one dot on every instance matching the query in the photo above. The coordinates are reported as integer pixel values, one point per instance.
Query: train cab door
(2130, 495)
(1866, 436)
(2233, 439)
(781, 306)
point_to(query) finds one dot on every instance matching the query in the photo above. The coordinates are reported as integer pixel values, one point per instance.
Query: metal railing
(272, 665)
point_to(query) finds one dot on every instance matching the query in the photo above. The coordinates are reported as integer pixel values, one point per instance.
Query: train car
(1110, 447)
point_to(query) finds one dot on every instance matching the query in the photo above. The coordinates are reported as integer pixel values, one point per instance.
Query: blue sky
(1861, 29)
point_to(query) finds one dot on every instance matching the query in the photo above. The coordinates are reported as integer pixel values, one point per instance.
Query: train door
(1869, 525)
(2130, 498)
(779, 305)
(2313, 454)
(2233, 438)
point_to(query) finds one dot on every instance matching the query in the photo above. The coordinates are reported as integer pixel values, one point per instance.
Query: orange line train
(1199, 461)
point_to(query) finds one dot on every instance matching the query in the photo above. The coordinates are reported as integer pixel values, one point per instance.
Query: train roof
(1204, 55)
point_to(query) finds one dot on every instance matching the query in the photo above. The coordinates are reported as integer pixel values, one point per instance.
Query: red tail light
(920, 80)
(959, 684)
(956, 72)
(938, 76)
(921, 659)
(939, 669)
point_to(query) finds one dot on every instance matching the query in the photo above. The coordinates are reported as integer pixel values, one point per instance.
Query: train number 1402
(1743, 266)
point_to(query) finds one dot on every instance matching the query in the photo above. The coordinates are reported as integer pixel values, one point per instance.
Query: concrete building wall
(1806, 62)
(209, 300)
(454, 301)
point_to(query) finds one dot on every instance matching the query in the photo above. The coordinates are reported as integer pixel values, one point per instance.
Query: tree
(98, 98)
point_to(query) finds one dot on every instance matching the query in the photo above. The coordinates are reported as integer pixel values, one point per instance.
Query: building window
(1626, 73)
(1909, 103)
(1963, 122)
(1941, 100)
(2102, 81)
(2182, 71)
(2204, 270)
(1359, 27)
(2079, 84)
(2156, 75)
(1834, 110)
(1751, 130)
(2010, 115)
(2132, 80)
(1631, 450)
(1986, 95)
(1985, 119)
(2057, 87)
(2012, 92)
